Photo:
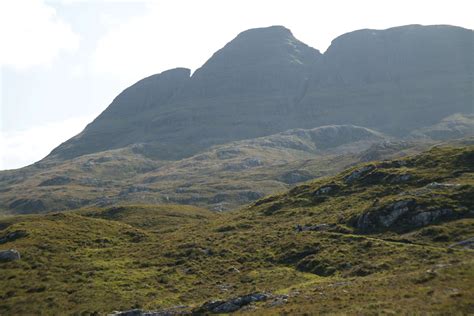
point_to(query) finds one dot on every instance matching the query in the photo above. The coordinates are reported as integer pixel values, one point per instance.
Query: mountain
(240, 92)
(392, 236)
(395, 80)
(265, 81)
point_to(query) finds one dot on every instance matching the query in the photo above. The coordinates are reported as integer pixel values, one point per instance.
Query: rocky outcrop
(404, 215)
(427, 217)
(358, 174)
(326, 190)
(229, 306)
(211, 307)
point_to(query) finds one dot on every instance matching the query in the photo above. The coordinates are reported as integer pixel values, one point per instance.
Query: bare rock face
(9, 255)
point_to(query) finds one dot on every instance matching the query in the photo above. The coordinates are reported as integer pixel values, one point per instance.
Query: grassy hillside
(221, 178)
(377, 238)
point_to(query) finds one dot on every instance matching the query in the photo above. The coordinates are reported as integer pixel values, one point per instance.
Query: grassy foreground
(377, 238)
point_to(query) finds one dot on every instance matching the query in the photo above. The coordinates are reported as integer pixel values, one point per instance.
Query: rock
(359, 173)
(428, 217)
(384, 216)
(278, 300)
(247, 163)
(132, 312)
(401, 178)
(317, 227)
(396, 210)
(295, 176)
(233, 270)
(175, 310)
(468, 243)
(60, 180)
(436, 185)
(404, 215)
(326, 189)
(13, 236)
(9, 255)
(231, 305)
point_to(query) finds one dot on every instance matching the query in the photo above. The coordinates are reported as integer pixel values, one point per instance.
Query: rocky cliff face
(265, 81)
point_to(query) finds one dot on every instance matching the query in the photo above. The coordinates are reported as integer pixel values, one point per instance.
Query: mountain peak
(275, 31)
(273, 45)
(268, 59)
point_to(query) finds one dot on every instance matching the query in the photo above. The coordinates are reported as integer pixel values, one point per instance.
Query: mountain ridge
(266, 81)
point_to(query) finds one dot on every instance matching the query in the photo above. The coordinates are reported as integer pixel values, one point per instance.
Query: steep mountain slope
(221, 178)
(265, 81)
(392, 236)
(244, 90)
(393, 80)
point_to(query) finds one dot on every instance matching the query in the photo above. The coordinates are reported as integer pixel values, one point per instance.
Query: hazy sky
(63, 62)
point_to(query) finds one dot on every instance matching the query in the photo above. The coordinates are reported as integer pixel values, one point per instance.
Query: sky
(63, 62)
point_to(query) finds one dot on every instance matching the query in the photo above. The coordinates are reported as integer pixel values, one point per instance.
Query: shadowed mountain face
(395, 80)
(265, 81)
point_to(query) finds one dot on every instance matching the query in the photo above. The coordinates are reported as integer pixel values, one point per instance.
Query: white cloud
(21, 148)
(31, 33)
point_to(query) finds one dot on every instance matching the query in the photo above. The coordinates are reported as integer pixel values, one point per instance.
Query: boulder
(13, 236)
(9, 255)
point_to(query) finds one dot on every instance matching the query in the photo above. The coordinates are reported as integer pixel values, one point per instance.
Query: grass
(217, 179)
(96, 260)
